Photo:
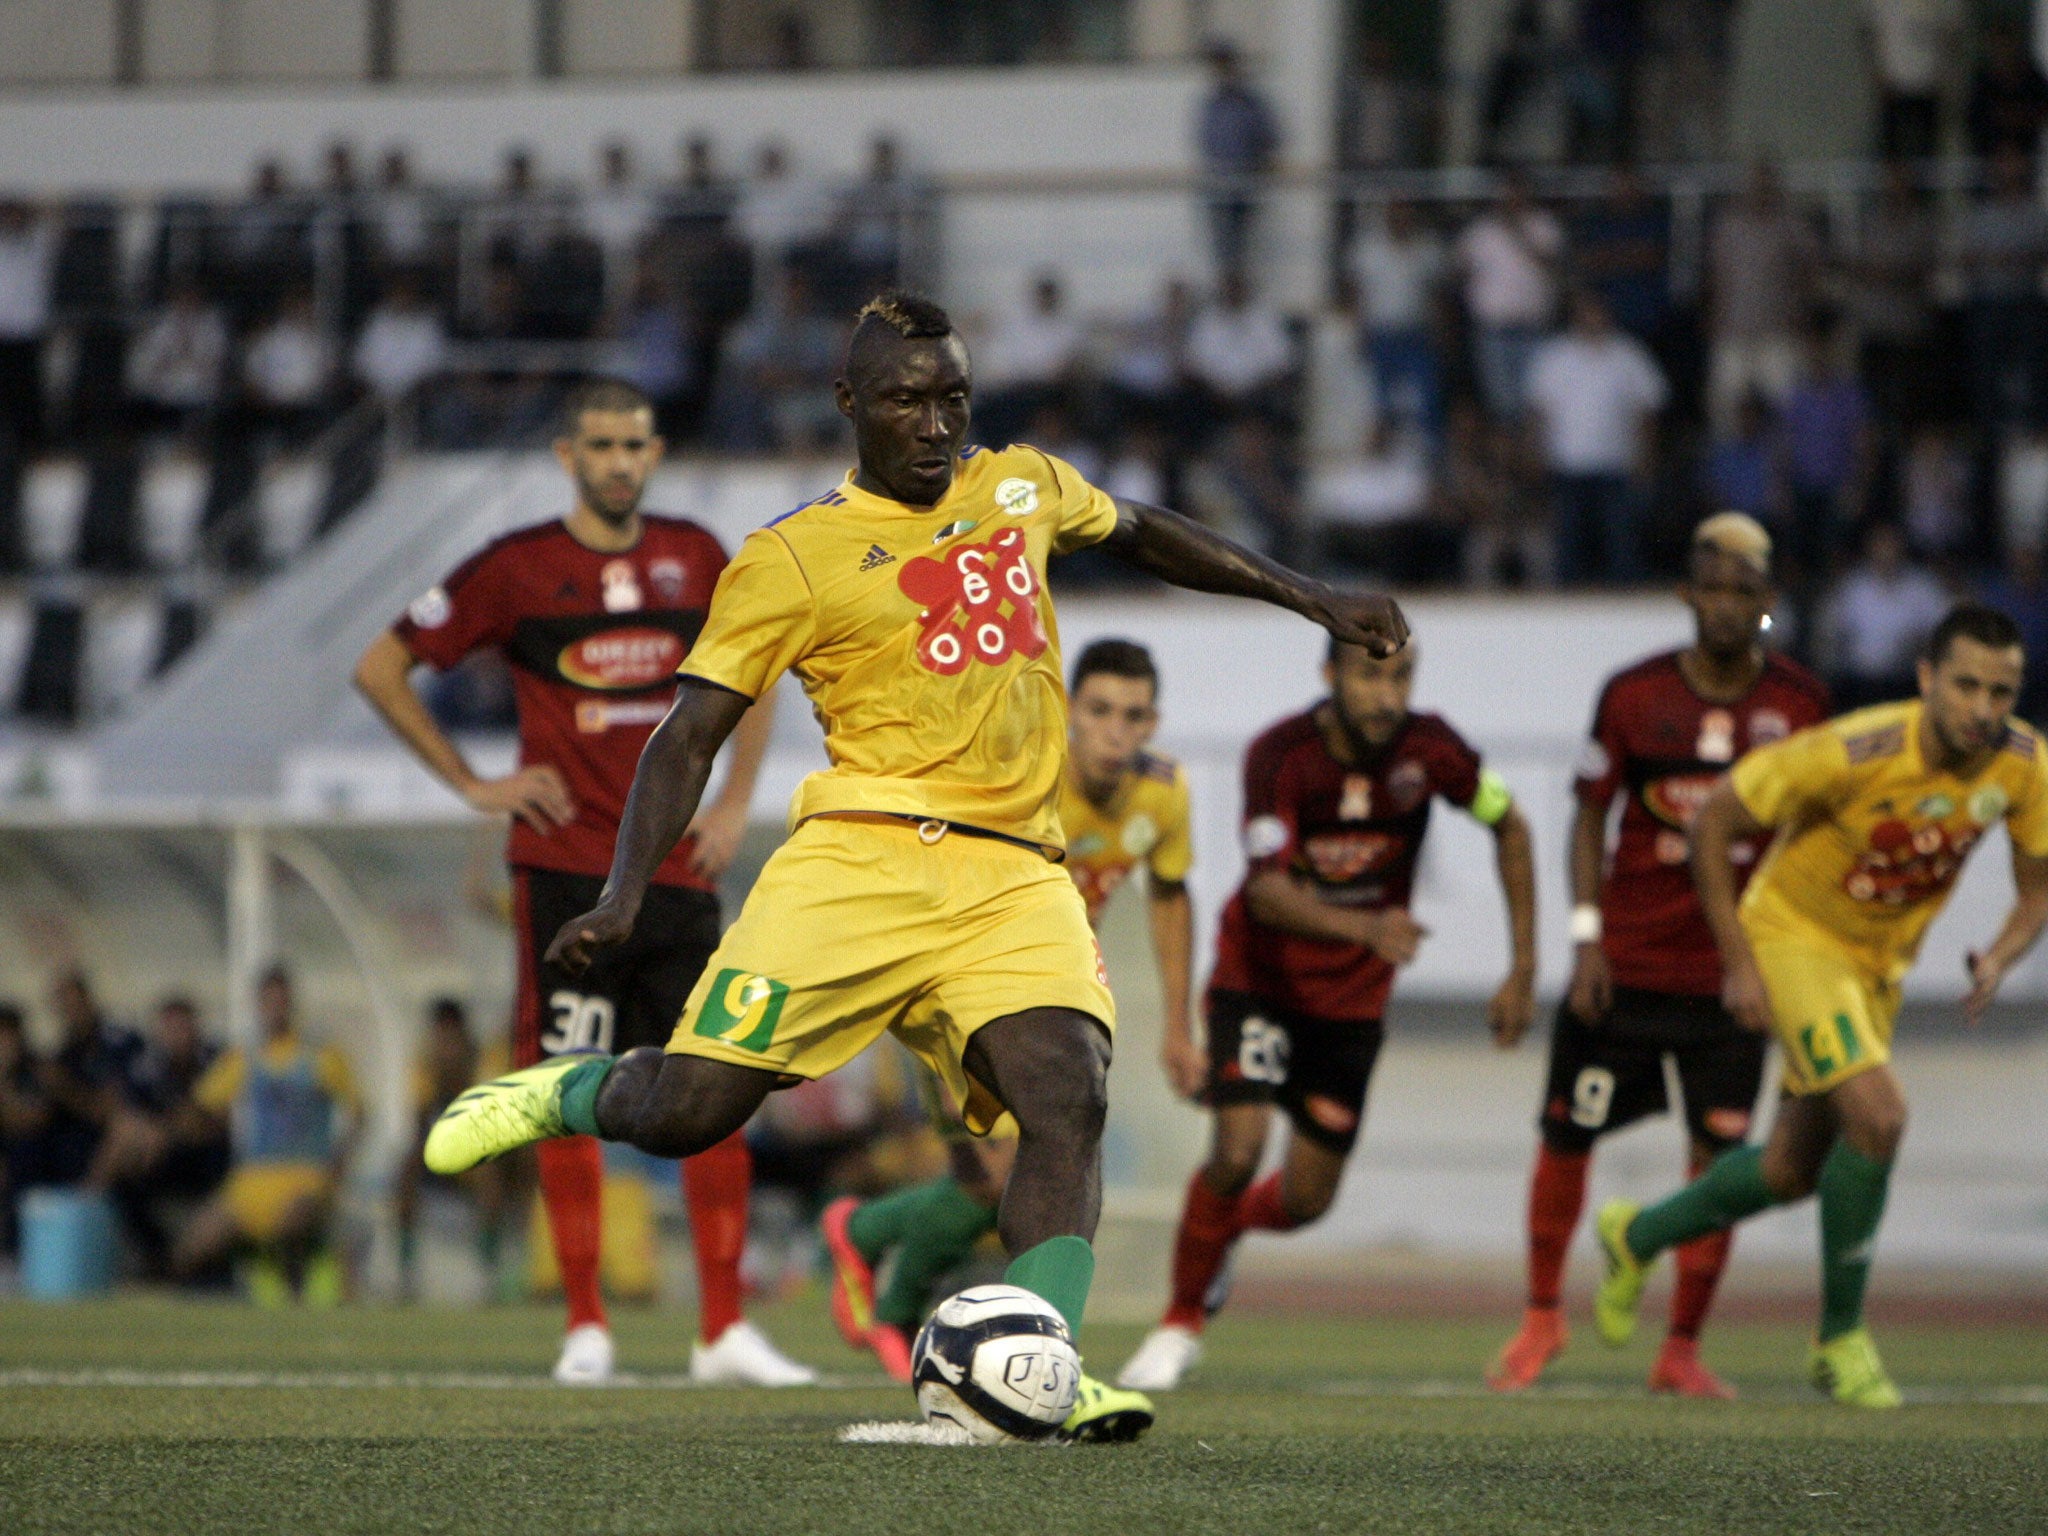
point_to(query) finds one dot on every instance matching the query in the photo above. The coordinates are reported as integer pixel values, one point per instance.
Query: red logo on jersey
(1341, 857)
(1903, 865)
(980, 603)
(1676, 798)
(622, 659)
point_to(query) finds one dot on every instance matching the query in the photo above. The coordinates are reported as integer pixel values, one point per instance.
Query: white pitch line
(431, 1381)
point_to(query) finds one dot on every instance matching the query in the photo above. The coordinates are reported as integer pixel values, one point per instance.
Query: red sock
(571, 1178)
(1557, 1193)
(715, 1183)
(1700, 1263)
(1208, 1228)
(1262, 1209)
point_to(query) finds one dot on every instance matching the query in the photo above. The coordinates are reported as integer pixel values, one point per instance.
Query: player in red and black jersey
(1646, 977)
(595, 612)
(1337, 802)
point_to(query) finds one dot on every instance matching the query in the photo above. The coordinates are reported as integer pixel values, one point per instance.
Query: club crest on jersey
(667, 577)
(1141, 835)
(1407, 785)
(1988, 804)
(1717, 737)
(431, 609)
(979, 602)
(959, 525)
(1356, 802)
(619, 586)
(1017, 496)
(1264, 836)
(1767, 725)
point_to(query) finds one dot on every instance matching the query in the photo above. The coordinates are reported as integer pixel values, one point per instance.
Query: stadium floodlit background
(290, 291)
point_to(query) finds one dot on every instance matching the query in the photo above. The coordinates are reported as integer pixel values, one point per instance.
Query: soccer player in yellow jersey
(1121, 807)
(1873, 815)
(919, 890)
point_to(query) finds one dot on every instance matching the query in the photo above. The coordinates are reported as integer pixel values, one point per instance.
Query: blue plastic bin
(67, 1243)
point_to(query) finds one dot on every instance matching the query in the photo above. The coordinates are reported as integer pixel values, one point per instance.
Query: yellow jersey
(1145, 822)
(283, 1099)
(1870, 839)
(923, 636)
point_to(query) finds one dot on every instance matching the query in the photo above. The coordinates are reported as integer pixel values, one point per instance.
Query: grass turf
(353, 1425)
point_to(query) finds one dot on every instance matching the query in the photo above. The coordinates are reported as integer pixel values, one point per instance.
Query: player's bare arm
(674, 767)
(1724, 821)
(720, 825)
(1172, 916)
(1181, 551)
(1591, 991)
(536, 794)
(1513, 1008)
(2016, 936)
(1278, 900)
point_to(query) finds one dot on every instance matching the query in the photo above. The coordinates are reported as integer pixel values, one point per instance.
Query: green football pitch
(152, 1415)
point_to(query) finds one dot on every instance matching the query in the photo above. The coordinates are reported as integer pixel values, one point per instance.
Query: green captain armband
(1492, 799)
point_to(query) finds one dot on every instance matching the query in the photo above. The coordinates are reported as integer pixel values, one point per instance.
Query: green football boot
(1105, 1415)
(492, 1118)
(1846, 1367)
(1614, 1304)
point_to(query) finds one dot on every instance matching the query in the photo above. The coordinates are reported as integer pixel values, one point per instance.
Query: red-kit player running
(595, 612)
(1337, 801)
(1646, 977)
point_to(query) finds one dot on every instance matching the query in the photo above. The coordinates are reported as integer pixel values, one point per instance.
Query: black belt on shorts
(930, 829)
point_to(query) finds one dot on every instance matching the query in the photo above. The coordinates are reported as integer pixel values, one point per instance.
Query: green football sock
(1852, 1194)
(942, 1231)
(490, 1242)
(1732, 1187)
(408, 1252)
(1060, 1269)
(578, 1092)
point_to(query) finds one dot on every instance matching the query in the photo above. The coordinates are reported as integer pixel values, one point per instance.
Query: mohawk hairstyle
(910, 315)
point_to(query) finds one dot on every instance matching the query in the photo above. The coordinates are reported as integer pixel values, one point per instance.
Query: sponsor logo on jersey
(1407, 784)
(1017, 496)
(1717, 737)
(1264, 836)
(1904, 864)
(876, 558)
(1676, 798)
(596, 716)
(1355, 803)
(431, 609)
(1767, 725)
(667, 577)
(1338, 858)
(620, 585)
(979, 602)
(1141, 835)
(621, 660)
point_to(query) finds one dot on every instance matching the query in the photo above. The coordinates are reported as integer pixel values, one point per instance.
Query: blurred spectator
(1146, 370)
(1595, 393)
(1372, 508)
(88, 1082)
(1246, 487)
(1621, 247)
(1829, 453)
(268, 243)
(618, 213)
(24, 1118)
(702, 199)
(1761, 258)
(1510, 257)
(1742, 471)
(2022, 492)
(1519, 102)
(1031, 358)
(1600, 80)
(1912, 44)
(655, 350)
(564, 283)
(1236, 137)
(1934, 488)
(295, 1120)
(176, 363)
(773, 392)
(1889, 297)
(2008, 97)
(1390, 122)
(1338, 405)
(779, 214)
(1487, 491)
(1138, 467)
(1681, 111)
(882, 222)
(448, 1065)
(2002, 242)
(288, 371)
(402, 342)
(1398, 268)
(1239, 352)
(1051, 427)
(2019, 588)
(28, 253)
(404, 214)
(518, 215)
(1873, 624)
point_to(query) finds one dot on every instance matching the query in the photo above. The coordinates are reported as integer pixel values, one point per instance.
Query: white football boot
(1167, 1355)
(742, 1357)
(586, 1359)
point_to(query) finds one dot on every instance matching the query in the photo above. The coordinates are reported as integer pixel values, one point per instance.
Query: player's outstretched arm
(1722, 822)
(1513, 1008)
(1278, 900)
(1591, 990)
(669, 781)
(2022, 927)
(720, 825)
(1180, 550)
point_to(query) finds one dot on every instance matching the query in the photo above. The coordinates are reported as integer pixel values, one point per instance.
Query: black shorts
(1315, 1069)
(1609, 1075)
(631, 996)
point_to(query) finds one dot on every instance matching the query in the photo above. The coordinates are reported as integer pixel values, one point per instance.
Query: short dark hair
(448, 1008)
(892, 315)
(1972, 621)
(1116, 658)
(601, 393)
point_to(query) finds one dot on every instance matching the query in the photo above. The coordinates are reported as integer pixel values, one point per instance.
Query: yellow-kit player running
(1122, 809)
(919, 892)
(1874, 814)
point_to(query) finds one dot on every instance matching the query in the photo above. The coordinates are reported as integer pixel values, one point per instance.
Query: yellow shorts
(859, 927)
(260, 1195)
(1834, 1015)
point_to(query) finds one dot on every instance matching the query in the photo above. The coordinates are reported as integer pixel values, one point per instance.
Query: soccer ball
(998, 1363)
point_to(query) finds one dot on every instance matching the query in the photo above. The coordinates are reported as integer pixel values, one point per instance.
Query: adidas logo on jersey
(876, 558)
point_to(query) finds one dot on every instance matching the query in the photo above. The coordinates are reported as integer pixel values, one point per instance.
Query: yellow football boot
(1846, 1367)
(492, 1118)
(1614, 1304)
(1104, 1414)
